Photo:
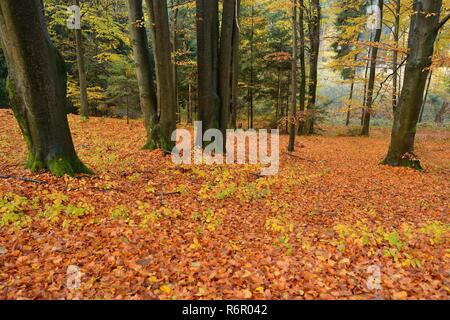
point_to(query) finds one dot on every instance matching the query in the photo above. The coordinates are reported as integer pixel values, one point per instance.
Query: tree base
(58, 166)
(150, 145)
(406, 161)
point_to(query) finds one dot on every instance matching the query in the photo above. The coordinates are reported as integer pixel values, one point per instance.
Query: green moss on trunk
(404, 161)
(60, 166)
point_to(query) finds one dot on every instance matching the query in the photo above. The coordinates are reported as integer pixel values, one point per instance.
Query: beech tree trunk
(252, 71)
(395, 55)
(422, 37)
(208, 46)
(292, 120)
(349, 107)
(166, 95)
(302, 88)
(174, 54)
(235, 66)
(372, 75)
(84, 103)
(217, 86)
(37, 88)
(226, 63)
(366, 74)
(440, 116)
(314, 36)
(145, 72)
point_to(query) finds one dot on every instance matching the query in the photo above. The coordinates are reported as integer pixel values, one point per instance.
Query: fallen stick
(298, 157)
(23, 179)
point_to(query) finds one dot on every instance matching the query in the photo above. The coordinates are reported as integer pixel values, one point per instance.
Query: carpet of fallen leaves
(334, 224)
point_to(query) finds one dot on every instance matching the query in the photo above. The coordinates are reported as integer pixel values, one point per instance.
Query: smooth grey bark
(144, 71)
(166, 95)
(314, 38)
(235, 66)
(366, 74)
(208, 60)
(251, 82)
(175, 14)
(422, 37)
(226, 63)
(293, 112)
(217, 69)
(372, 75)
(395, 55)
(302, 89)
(84, 102)
(37, 88)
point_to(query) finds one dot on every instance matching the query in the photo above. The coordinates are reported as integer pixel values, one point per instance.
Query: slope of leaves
(143, 228)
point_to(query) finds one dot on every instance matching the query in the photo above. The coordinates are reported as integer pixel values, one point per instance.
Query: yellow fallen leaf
(165, 289)
(260, 290)
(400, 295)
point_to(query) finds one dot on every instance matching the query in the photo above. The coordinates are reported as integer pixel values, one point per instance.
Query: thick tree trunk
(84, 103)
(292, 120)
(145, 72)
(37, 88)
(314, 36)
(422, 37)
(372, 75)
(208, 46)
(302, 88)
(164, 72)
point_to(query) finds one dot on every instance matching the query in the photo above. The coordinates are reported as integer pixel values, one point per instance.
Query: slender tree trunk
(174, 54)
(252, 36)
(395, 54)
(302, 89)
(292, 117)
(127, 98)
(164, 72)
(372, 75)
(349, 107)
(366, 74)
(235, 66)
(278, 104)
(422, 109)
(440, 116)
(84, 110)
(37, 88)
(189, 120)
(314, 35)
(352, 88)
(226, 63)
(208, 46)
(145, 72)
(422, 38)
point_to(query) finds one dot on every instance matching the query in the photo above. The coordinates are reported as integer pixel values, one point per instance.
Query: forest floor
(334, 224)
